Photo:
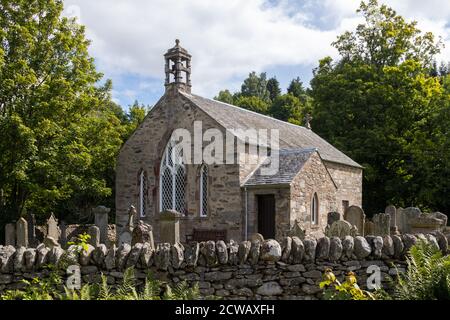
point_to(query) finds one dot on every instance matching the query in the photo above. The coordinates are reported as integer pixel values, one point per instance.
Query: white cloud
(227, 38)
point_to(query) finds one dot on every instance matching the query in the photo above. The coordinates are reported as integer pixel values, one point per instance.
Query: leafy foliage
(427, 276)
(50, 289)
(378, 105)
(348, 290)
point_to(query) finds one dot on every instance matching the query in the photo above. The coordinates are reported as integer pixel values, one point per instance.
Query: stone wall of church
(313, 178)
(143, 151)
(349, 182)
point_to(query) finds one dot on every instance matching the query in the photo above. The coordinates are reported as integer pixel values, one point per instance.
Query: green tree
(225, 96)
(273, 86)
(374, 102)
(296, 88)
(256, 86)
(59, 131)
(253, 103)
(287, 107)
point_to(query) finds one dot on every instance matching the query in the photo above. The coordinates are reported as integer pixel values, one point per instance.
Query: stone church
(229, 200)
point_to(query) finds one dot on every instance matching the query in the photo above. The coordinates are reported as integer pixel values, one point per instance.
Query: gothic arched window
(172, 179)
(142, 193)
(204, 191)
(315, 209)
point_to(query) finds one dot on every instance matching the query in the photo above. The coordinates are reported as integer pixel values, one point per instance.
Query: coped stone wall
(291, 269)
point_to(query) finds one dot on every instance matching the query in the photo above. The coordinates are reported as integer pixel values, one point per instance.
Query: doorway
(266, 215)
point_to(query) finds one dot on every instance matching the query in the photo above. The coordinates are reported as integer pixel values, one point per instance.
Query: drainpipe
(246, 214)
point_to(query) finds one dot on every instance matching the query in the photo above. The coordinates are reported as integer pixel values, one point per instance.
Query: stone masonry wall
(349, 183)
(268, 270)
(313, 178)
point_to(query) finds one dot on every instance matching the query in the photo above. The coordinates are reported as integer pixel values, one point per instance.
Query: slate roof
(291, 136)
(291, 162)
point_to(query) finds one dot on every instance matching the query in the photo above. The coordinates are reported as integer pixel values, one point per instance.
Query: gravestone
(94, 232)
(332, 217)
(405, 217)
(10, 234)
(63, 229)
(52, 227)
(369, 228)
(101, 221)
(22, 233)
(392, 212)
(31, 221)
(169, 223)
(355, 215)
(340, 229)
(382, 224)
(127, 234)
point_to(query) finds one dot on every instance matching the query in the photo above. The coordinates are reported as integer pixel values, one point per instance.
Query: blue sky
(227, 38)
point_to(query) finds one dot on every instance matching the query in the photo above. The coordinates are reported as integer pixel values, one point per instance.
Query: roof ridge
(246, 110)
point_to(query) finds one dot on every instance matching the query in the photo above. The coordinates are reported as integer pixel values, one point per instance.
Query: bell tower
(178, 68)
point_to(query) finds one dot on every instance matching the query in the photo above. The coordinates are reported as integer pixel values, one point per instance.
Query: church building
(229, 199)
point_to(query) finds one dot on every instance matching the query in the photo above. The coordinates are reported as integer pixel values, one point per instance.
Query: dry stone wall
(291, 269)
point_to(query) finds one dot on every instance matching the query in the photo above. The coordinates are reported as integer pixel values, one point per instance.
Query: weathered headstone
(22, 233)
(392, 212)
(425, 223)
(340, 229)
(94, 232)
(332, 217)
(404, 218)
(369, 228)
(101, 221)
(31, 220)
(355, 215)
(52, 227)
(10, 234)
(169, 223)
(126, 236)
(382, 224)
(63, 229)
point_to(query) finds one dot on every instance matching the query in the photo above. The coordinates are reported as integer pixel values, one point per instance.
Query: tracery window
(172, 179)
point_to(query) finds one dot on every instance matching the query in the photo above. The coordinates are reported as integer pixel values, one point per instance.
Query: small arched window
(172, 184)
(204, 191)
(142, 193)
(315, 209)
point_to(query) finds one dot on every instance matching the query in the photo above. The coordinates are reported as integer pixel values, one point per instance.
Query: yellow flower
(329, 275)
(351, 278)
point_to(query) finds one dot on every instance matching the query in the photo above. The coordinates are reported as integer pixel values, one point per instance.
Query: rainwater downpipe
(246, 214)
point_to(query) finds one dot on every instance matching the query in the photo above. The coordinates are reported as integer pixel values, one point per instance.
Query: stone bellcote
(178, 68)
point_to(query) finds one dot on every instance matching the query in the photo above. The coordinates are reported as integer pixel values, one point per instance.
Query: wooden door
(266, 216)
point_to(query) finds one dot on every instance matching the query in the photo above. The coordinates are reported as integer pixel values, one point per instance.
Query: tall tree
(273, 86)
(374, 101)
(296, 88)
(59, 130)
(225, 96)
(287, 107)
(253, 104)
(256, 86)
